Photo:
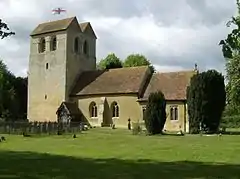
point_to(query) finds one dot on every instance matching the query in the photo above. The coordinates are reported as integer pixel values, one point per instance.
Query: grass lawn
(106, 153)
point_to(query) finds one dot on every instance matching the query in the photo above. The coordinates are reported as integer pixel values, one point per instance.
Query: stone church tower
(59, 52)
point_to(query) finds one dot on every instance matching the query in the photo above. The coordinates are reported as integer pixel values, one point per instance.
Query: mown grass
(106, 153)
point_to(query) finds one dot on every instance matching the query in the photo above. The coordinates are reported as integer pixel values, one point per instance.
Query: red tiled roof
(112, 81)
(172, 84)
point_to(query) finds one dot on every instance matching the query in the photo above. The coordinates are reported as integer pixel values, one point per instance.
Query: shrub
(136, 128)
(206, 98)
(230, 121)
(155, 114)
(231, 117)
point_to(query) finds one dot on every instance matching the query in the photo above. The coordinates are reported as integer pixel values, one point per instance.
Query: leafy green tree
(20, 87)
(155, 114)
(137, 60)
(7, 92)
(206, 99)
(194, 97)
(13, 95)
(111, 61)
(231, 52)
(4, 30)
(233, 77)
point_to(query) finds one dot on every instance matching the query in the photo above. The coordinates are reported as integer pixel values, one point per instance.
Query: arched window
(53, 44)
(46, 66)
(76, 45)
(174, 113)
(85, 47)
(115, 109)
(42, 45)
(93, 109)
(144, 111)
(171, 114)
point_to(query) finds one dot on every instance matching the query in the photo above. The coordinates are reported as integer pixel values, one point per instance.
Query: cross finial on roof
(195, 68)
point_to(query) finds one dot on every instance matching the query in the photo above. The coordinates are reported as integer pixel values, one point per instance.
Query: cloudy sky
(172, 34)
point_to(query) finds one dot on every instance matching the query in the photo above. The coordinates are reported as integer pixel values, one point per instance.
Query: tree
(13, 95)
(111, 61)
(233, 77)
(7, 92)
(206, 99)
(155, 114)
(231, 45)
(4, 30)
(21, 90)
(231, 52)
(137, 60)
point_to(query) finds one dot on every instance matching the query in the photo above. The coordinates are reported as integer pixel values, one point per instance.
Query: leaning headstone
(129, 124)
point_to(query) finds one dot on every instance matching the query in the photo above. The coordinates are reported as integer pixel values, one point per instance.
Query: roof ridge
(96, 70)
(84, 22)
(59, 20)
(111, 69)
(84, 25)
(180, 71)
(52, 26)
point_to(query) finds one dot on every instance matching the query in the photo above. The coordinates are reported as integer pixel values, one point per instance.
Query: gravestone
(101, 111)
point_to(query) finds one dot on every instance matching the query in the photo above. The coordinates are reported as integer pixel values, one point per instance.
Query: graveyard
(157, 98)
(106, 153)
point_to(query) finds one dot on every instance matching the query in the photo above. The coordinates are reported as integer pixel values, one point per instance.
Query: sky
(172, 34)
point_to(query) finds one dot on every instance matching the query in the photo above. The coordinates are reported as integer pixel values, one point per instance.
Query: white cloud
(20, 9)
(143, 35)
(103, 23)
(173, 35)
(163, 68)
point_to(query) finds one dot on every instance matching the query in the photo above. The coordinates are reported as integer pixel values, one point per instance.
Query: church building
(65, 85)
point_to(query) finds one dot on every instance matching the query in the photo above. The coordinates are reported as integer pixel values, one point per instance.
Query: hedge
(230, 121)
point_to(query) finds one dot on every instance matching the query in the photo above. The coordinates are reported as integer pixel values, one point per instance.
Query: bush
(230, 121)
(155, 114)
(136, 128)
(206, 98)
(231, 117)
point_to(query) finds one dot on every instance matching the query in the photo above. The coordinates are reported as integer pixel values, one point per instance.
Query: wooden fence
(51, 128)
